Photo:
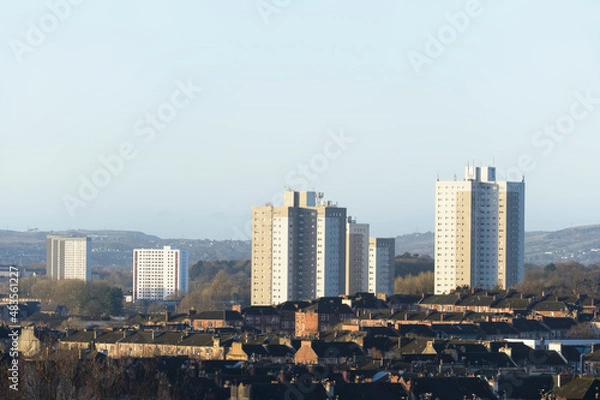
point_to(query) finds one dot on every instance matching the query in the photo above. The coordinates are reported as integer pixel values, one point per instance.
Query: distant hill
(580, 244)
(114, 248)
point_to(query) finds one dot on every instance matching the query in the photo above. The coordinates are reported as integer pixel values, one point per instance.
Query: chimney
(236, 307)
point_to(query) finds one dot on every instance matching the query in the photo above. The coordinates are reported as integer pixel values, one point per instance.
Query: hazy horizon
(183, 116)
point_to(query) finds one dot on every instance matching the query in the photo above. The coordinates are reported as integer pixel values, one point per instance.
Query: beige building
(357, 257)
(68, 257)
(480, 231)
(382, 265)
(298, 249)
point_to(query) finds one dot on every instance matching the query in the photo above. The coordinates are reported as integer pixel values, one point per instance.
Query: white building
(298, 249)
(382, 266)
(68, 257)
(159, 273)
(480, 231)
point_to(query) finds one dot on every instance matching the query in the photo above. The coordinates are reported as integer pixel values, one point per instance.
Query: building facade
(159, 273)
(357, 257)
(68, 257)
(382, 266)
(480, 231)
(298, 249)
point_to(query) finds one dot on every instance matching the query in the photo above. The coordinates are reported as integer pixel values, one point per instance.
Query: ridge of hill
(114, 247)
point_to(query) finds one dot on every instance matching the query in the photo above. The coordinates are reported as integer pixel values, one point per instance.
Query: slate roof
(375, 390)
(498, 328)
(226, 315)
(80, 336)
(418, 330)
(51, 307)
(464, 346)
(418, 345)
(519, 385)
(380, 331)
(442, 299)
(519, 349)
(559, 323)
(408, 316)
(401, 299)
(336, 349)
(457, 330)
(269, 391)
(528, 325)
(329, 307)
(260, 310)
(452, 388)
(593, 356)
(109, 337)
(292, 305)
(478, 299)
(445, 316)
(570, 353)
(498, 360)
(579, 388)
(548, 305)
(280, 350)
(540, 358)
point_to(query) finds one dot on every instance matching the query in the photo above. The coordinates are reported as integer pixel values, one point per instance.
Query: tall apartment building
(298, 249)
(381, 273)
(159, 273)
(68, 257)
(480, 231)
(357, 257)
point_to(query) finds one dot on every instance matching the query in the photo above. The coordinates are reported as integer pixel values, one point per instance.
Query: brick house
(217, 319)
(264, 318)
(325, 313)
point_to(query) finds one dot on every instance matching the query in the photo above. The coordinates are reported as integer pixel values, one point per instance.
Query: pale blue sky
(273, 92)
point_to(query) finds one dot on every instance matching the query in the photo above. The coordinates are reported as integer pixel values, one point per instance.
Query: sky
(176, 117)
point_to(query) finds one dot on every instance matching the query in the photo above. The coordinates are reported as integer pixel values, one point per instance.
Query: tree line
(94, 298)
